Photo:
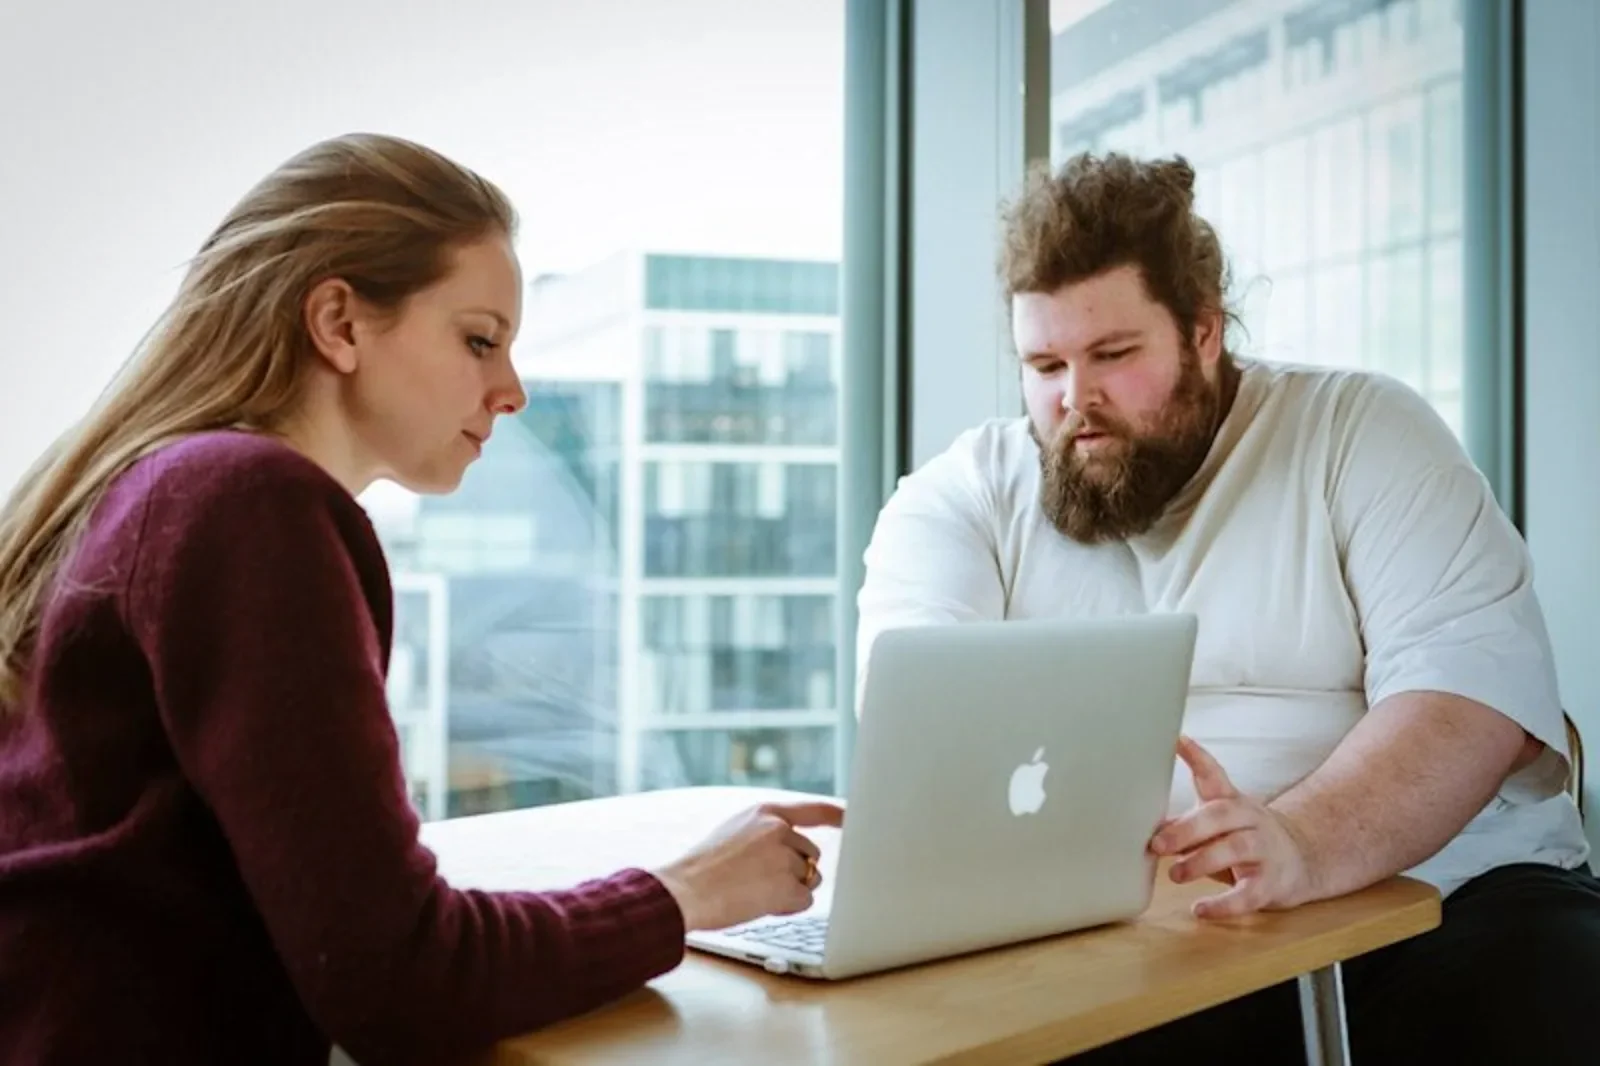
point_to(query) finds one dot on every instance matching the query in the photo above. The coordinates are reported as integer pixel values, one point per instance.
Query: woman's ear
(330, 313)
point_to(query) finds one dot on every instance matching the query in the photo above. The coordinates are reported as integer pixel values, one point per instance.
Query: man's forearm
(1400, 785)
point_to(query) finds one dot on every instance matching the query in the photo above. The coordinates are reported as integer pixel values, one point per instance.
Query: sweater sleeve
(253, 602)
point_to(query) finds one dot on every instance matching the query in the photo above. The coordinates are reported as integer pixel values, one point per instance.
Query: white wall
(1561, 415)
(128, 129)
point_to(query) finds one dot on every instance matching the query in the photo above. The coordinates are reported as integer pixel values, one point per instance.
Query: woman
(206, 849)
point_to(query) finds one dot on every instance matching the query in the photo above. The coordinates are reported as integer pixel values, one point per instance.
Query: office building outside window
(1327, 141)
(636, 587)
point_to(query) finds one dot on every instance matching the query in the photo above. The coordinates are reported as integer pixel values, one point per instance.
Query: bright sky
(1064, 13)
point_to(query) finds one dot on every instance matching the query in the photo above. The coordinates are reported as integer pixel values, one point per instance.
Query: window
(754, 518)
(1327, 142)
(635, 585)
(773, 383)
(738, 653)
(640, 575)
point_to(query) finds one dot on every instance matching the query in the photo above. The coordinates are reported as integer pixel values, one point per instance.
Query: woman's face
(419, 392)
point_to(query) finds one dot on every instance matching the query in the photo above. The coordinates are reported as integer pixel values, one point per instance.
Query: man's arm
(1400, 786)
(1459, 679)
(933, 557)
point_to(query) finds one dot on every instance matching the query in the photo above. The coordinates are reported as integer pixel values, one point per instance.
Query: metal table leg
(1322, 1015)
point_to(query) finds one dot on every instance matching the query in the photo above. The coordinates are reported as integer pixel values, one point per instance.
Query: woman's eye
(1118, 354)
(481, 346)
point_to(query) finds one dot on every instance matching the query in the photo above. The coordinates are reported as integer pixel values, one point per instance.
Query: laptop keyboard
(795, 934)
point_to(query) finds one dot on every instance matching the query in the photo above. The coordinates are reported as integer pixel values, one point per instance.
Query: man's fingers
(1247, 896)
(1210, 820)
(1210, 779)
(1219, 857)
(809, 815)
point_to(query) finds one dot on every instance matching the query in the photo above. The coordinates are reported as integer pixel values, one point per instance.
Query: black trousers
(1510, 978)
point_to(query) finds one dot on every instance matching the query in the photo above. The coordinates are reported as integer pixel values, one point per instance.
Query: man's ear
(331, 310)
(1208, 330)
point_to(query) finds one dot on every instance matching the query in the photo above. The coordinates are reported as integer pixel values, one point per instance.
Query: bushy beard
(1121, 489)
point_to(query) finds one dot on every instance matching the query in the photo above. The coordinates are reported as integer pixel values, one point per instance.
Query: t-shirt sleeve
(1441, 579)
(251, 600)
(933, 557)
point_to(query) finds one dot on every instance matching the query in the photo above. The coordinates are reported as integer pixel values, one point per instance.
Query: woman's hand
(753, 865)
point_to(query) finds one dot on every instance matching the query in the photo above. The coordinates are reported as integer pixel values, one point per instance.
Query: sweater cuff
(656, 910)
(628, 928)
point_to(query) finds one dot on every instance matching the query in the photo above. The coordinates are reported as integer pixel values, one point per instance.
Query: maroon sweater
(206, 850)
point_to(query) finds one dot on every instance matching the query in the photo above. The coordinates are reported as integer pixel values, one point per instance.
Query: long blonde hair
(381, 213)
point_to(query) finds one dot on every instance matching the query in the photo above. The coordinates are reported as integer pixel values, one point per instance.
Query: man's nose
(1078, 391)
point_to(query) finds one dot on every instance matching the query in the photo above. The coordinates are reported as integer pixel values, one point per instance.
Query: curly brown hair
(1097, 213)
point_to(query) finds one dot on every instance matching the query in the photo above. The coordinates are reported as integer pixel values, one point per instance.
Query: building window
(621, 612)
(1326, 138)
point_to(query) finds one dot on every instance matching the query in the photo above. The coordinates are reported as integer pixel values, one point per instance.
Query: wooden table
(1031, 1003)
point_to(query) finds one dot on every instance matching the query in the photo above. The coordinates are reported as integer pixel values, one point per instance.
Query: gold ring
(811, 873)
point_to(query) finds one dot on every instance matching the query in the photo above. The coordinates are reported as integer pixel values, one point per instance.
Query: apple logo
(1027, 785)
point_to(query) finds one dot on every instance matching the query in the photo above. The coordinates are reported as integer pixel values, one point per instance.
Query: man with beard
(1372, 690)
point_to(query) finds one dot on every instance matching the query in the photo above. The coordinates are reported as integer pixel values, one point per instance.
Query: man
(1372, 691)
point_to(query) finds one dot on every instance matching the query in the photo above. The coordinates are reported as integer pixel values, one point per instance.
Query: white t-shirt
(1338, 547)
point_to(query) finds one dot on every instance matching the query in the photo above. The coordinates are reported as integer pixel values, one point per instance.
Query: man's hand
(1237, 840)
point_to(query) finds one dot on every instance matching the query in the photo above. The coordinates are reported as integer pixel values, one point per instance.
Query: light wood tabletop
(1029, 1003)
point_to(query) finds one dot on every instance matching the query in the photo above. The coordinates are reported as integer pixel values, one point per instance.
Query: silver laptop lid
(1006, 779)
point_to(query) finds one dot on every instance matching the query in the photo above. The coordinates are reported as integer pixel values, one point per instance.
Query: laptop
(1007, 779)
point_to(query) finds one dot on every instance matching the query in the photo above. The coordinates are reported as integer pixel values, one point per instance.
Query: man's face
(1122, 407)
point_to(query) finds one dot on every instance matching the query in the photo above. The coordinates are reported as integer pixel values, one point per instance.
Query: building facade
(638, 581)
(1327, 141)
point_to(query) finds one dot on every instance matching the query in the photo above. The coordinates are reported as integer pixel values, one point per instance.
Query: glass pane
(737, 653)
(635, 585)
(1287, 332)
(1285, 204)
(1444, 158)
(1334, 127)
(1395, 322)
(765, 386)
(796, 758)
(1444, 317)
(763, 517)
(1336, 303)
(1395, 185)
(1336, 200)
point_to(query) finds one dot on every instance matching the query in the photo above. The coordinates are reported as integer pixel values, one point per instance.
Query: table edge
(1114, 1021)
